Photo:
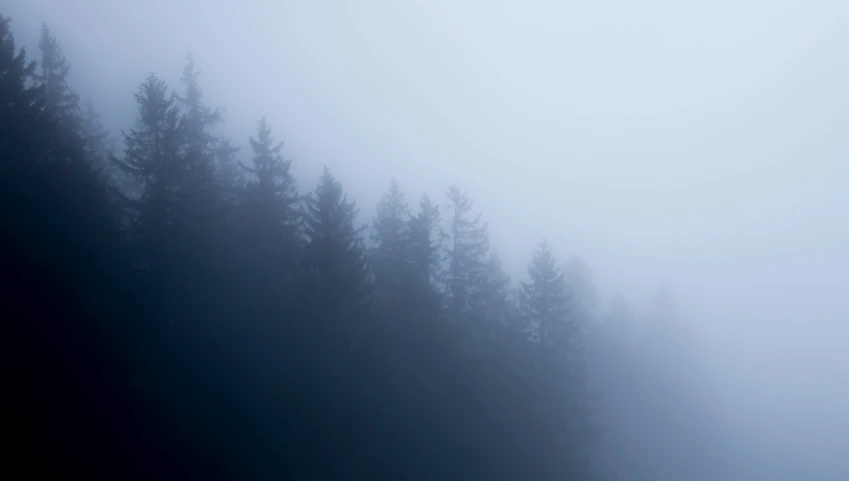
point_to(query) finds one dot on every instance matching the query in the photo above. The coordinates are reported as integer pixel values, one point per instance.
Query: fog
(702, 147)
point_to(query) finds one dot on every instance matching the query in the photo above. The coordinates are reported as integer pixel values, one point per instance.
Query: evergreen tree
(545, 298)
(271, 213)
(390, 254)
(273, 188)
(425, 253)
(546, 304)
(151, 157)
(466, 249)
(335, 254)
(197, 160)
(60, 99)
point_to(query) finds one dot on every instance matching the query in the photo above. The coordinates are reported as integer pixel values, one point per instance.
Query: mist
(701, 149)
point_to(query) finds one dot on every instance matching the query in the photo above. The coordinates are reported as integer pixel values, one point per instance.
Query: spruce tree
(151, 157)
(273, 188)
(197, 158)
(425, 255)
(545, 297)
(335, 254)
(546, 304)
(466, 249)
(390, 255)
(271, 212)
(60, 99)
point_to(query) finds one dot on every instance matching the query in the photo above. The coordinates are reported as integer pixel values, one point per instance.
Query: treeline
(176, 308)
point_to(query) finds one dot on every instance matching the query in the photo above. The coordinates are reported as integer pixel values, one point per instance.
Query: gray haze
(704, 146)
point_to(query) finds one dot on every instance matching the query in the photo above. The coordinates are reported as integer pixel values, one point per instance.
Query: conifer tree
(60, 100)
(151, 157)
(546, 304)
(466, 249)
(545, 297)
(335, 254)
(197, 157)
(425, 254)
(273, 188)
(390, 254)
(271, 212)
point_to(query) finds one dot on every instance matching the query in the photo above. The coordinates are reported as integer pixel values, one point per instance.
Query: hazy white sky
(701, 144)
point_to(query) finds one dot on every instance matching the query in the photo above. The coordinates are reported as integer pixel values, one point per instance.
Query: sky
(699, 145)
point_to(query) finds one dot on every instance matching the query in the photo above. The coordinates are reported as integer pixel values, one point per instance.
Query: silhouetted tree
(425, 256)
(335, 253)
(151, 157)
(390, 258)
(545, 298)
(466, 249)
(60, 100)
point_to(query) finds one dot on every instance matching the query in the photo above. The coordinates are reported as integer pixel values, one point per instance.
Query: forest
(176, 307)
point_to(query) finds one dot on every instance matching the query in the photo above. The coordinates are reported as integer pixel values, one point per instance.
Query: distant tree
(425, 255)
(335, 253)
(274, 187)
(466, 249)
(390, 255)
(201, 198)
(545, 298)
(60, 100)
(271, 212)
(151, 157)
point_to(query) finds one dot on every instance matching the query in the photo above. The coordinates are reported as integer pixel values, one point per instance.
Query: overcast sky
(704, 145)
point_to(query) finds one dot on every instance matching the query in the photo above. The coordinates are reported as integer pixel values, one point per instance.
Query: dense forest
(176, 308)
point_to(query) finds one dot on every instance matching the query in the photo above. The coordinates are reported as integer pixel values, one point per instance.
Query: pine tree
(546, 304)
(272, 213)
(274, 188)
(390, 254)
(197, 160)
(151, 157)
(425, 254)
(335, 254)
(60, 100)
(545, 298)
(466, 249)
